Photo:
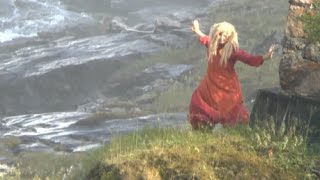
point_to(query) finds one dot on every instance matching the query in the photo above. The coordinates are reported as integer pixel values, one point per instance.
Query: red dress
(218, 98)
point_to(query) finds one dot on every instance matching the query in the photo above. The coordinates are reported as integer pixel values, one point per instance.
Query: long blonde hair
(231, 45)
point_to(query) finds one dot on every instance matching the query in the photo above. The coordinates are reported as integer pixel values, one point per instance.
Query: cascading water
(56, 56)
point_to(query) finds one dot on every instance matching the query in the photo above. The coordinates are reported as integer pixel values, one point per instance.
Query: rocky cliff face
(300, 65)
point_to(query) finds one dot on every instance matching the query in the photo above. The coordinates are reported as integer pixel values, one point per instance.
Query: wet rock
(84, 5)
(146, 98)
(144, 27)
(116, 3)
(191, 9)
(165, 23)
(155, 78)
(51, 78)
(167, 70)
(118, 24)
(136, 111)
(107, 23)
(167, 40)
(128, 95)
(162, 25)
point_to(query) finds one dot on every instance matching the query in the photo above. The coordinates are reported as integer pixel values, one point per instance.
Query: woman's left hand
(269, 54)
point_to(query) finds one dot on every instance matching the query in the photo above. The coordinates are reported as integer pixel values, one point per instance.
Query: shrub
(311, 20)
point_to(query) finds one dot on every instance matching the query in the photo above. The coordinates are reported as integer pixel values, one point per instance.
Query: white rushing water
(77, 131)
(58, 55)
(26, 18)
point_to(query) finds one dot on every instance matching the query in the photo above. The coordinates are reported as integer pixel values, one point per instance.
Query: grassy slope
(232, 153)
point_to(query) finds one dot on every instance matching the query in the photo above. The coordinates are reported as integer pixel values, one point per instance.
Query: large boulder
(300, 65)
(296, 115)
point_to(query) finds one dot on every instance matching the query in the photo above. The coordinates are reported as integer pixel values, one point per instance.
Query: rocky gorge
(94, 74)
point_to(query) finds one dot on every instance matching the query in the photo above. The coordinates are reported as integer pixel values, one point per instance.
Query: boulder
(299, 69)
(296, 114)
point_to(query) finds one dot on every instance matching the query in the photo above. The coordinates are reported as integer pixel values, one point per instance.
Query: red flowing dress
(218, 97)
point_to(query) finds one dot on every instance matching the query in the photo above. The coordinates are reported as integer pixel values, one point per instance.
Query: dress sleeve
(247, 58)
(204, 40)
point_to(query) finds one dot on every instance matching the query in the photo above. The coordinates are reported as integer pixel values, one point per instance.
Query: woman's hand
(269, 54)
(196, 28)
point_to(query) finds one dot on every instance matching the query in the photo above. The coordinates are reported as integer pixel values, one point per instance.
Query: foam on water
(41, 124)
(86, 147)
(9, 35)
(49, 129)
(26, 18)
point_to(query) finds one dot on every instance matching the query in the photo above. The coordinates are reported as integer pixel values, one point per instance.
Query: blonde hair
(231, 44)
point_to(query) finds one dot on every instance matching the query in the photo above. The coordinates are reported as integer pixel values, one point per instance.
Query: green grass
(185, 154)
(311, 22)
(230, 153)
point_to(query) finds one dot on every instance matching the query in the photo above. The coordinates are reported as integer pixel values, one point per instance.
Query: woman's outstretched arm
(196, 29)
(253, 60)
(204, 39)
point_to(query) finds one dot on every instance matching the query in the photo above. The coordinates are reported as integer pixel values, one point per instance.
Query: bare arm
(204, 39)
(196, 29)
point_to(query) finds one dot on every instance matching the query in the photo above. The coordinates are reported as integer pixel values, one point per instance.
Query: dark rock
(294, 44)
(299, 76)
(301, 115)
(312, 52)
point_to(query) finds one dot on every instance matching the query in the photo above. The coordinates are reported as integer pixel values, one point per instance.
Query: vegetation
(228, 153)
(237, 152)
(312, 22)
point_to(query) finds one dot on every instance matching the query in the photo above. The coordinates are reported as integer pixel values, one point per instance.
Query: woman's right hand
(195, 26)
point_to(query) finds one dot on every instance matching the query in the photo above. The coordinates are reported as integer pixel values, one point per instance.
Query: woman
(218, 98)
